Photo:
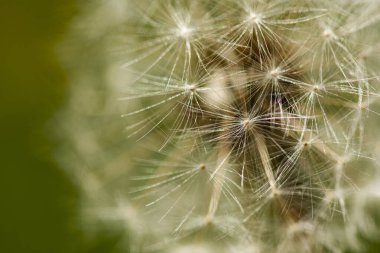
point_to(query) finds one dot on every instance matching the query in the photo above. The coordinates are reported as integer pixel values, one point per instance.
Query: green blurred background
(39, 204)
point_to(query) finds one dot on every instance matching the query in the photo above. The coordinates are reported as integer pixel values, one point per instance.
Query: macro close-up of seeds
(225, 125)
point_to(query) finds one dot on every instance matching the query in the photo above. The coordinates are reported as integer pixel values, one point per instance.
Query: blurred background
(39, 203)
(38, 208)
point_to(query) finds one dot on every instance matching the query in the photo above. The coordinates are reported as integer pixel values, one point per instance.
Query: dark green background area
(38, 203)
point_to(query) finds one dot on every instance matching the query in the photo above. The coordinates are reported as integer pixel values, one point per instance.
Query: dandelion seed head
(253, 123)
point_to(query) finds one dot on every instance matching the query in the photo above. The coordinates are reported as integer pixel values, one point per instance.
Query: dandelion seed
(184, 32)
(254, 18)
(274, 74)
(329, 34)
